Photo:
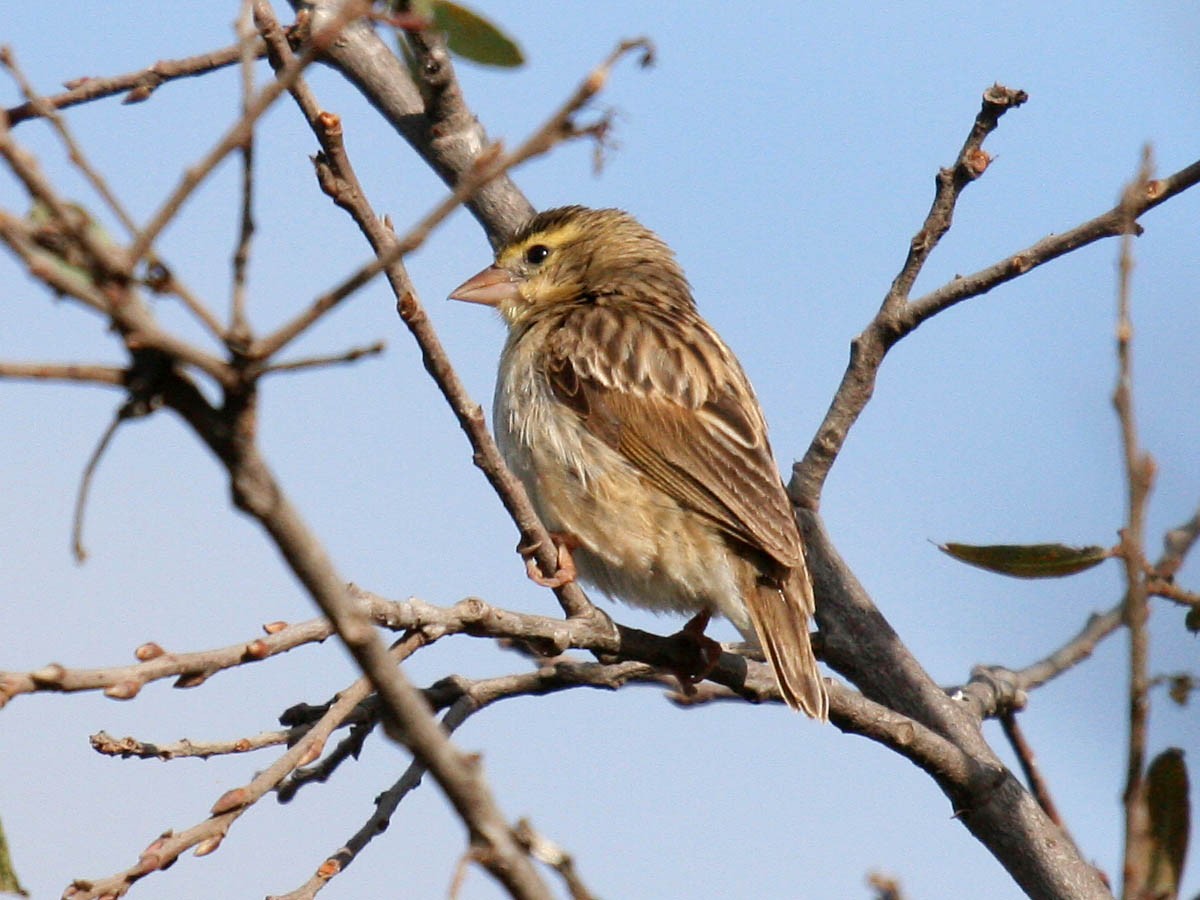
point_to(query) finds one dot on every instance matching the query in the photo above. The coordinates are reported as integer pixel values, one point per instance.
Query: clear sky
(787, 152)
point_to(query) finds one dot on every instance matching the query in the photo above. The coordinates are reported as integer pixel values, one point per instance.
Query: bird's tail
(780, 614)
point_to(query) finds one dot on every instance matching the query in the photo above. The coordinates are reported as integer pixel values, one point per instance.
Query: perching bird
(639, 438)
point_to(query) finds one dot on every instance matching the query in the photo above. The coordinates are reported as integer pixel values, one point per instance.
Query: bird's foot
(565, 572)
(708, 652)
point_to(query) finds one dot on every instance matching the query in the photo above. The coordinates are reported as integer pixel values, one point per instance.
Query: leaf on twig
(1170, 815)
(475, 38)
(1028, 560)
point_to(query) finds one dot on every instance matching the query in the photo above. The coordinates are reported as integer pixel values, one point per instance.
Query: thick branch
(450, 141)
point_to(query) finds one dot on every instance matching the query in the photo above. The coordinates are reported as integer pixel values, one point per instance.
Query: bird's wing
(672, 399)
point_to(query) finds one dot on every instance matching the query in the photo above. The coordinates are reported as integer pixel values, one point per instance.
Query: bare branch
(75, 153)
(103, 742)
(1109, 224)
(354, 354)
(206, 836)
(85, 484)
(113, 376)
(1139, 474)
(242, 129)
(139, 84)
(1028, 762)
(869, 348)
(239, 327)
(448, 137)
(339, 182)
(1177, 543)
(191, 669)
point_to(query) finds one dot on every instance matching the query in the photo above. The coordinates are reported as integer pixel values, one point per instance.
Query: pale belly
(634, 542)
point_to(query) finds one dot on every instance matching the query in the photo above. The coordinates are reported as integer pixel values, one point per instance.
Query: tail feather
(780, 615)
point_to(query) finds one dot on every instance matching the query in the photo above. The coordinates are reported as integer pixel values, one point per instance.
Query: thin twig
(47, 110)
(1112, 223)
(239, 327)
(1139, 473)
(161, 279)
(339, 180)
(869, 348)
(113, 376)
(447, 135)
(128, 747)
(143, 82)
(993, 689)
(189, 669)
(107, 269)
(240, 131)
(354, 354)
(490, 164)
(1033, 776)
(1168, 590)
(85, 484)
(207, 835)
(1177, 544)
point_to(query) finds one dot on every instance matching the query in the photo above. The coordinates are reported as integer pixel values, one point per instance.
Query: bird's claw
(565, 572)
(708, 652)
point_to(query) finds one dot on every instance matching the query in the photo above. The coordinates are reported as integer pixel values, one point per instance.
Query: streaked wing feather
(679, 408)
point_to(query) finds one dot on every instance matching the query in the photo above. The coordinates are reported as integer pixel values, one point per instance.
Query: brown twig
(44, 108)
(1028, 762)
(112, 376)
(1106, 225)
(447, 136)
(239, 327)
(551, 854)
(1139, 473)
(354, 354)
(1177, 544)
(242, 129)
(1168, 590)
(109, 276)
(139, 84)
(190, 669)
(340, 183)
(128, 747)
(869, 348)
(207, 836)
(85, 484)
(339, 180)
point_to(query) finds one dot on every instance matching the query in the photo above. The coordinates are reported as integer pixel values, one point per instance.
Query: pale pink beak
(491, 287)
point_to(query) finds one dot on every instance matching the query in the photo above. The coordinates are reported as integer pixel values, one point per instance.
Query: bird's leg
(564, 574)
(707, 650)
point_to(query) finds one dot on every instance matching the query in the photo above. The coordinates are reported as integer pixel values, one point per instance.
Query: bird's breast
(631, 540)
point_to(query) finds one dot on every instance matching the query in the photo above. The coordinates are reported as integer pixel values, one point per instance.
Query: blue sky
(787, 153)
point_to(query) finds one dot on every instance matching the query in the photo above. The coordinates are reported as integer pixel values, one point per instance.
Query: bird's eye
(537, 254)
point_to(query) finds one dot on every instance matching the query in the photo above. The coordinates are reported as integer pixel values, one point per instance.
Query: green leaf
(1028, 560)
(1192, 620)
(1170, 815)
(475, 38)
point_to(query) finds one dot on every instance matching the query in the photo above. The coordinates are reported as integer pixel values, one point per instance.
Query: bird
(639, 439)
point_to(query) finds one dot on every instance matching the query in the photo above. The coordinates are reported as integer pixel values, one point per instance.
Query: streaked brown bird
(639, 439)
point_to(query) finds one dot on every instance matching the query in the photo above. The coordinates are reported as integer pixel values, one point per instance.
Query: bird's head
(577, 255)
